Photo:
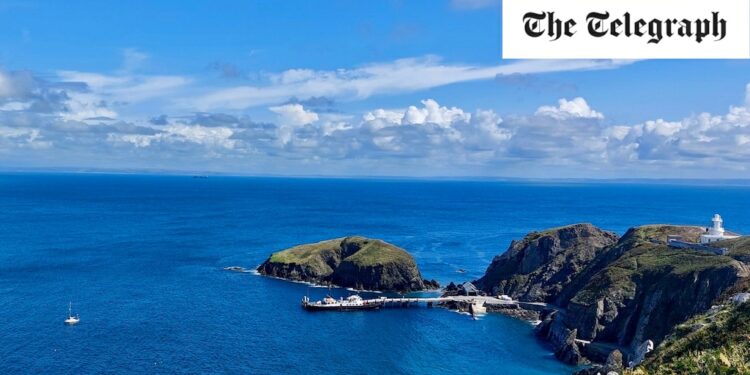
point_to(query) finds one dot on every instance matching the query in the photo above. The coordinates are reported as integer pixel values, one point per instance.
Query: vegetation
(646, 254)
(717, 342)
(739, 248)
(303, 253)
(375, 252)
(714, 342)
(370, 252)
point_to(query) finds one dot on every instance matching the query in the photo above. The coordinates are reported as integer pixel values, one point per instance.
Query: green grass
(379, 252)
(304, 253)
(711, 343)
(715, 342)
(646, 253)
(372, 252)
(738, 247)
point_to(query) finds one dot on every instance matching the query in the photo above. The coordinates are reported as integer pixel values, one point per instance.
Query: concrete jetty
(488, 301)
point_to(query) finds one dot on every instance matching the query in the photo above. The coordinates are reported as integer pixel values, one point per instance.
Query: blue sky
(413, 88)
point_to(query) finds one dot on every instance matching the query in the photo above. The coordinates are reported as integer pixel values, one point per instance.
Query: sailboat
(72, 319)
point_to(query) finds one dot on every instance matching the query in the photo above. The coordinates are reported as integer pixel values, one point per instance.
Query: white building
(716, 232)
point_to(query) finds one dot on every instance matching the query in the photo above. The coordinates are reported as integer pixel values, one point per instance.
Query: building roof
(469, 287)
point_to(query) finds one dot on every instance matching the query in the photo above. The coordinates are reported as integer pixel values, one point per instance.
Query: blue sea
(142, 258)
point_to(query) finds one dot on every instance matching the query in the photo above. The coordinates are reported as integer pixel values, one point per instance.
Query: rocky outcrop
(563, 340)
(610, 293)
(613, 365)
(540, 266)
(352, 262)
(648, 290)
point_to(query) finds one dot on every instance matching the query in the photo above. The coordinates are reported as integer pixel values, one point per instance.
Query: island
(351, 262)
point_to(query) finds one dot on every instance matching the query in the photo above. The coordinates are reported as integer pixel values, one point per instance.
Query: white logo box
(727, 19)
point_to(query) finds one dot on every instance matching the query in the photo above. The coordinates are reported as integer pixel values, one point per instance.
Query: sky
(346, 88)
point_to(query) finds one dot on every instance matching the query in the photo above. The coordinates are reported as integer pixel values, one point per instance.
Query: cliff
(538, 267)
(613, 294)
(352, 262)
(648, 289)
(715, 342)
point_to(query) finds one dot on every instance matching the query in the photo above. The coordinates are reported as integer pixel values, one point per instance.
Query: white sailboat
(72, 319)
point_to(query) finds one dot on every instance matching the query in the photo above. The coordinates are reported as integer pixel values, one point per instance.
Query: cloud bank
(71, 124)
(75, 120)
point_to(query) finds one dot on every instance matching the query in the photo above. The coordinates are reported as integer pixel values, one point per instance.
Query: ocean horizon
(142, 257)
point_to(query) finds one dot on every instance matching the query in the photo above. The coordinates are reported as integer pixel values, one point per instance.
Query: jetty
(487, 301)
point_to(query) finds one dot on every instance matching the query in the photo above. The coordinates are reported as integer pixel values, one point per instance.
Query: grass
(303, 253)
(711, 343)
(738, 247)
(646, 253)
(379, 252)
(371, 252)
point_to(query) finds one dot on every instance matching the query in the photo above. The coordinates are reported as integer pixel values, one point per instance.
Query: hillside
(354, 262)
(716, 342)
(613, 293)
(538, 267)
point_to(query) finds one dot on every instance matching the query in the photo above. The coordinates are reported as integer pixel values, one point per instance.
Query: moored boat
(351, 303)
(72, 319)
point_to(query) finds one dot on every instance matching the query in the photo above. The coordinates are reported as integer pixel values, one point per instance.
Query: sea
(141, 258)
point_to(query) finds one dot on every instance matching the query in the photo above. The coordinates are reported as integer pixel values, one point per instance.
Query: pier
(473, 304)
(487, 301)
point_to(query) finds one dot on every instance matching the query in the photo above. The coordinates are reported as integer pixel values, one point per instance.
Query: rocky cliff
(714, 342)
(538, 267)
(613, 293)
(648, 289)
(352, 262)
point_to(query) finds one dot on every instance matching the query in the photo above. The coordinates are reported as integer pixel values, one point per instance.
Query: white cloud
(567, 139)
(106, 94)
(83, 106)
(430, 113)
(433, 113)
(24, 137)
(180, 133)
(126, 88)
(575, 108)
(15, 84)
(15, 106)
(662, 128)
(404, 75)
(294, 114)
(490, 124)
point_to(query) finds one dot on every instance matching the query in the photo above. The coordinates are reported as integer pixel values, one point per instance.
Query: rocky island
(351, 262)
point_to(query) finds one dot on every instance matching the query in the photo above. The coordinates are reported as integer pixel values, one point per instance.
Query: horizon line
(468, 178)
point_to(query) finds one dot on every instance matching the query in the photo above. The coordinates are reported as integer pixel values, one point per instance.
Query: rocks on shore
(352, 262)
(237, 269)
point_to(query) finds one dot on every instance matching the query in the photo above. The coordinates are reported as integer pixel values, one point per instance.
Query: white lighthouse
(716, 232)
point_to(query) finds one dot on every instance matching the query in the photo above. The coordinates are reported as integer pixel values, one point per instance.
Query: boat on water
(351, 303)
(72, 319)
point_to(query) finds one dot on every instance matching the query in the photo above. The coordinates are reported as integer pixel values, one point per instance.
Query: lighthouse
(717, 229)
(716, 232)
